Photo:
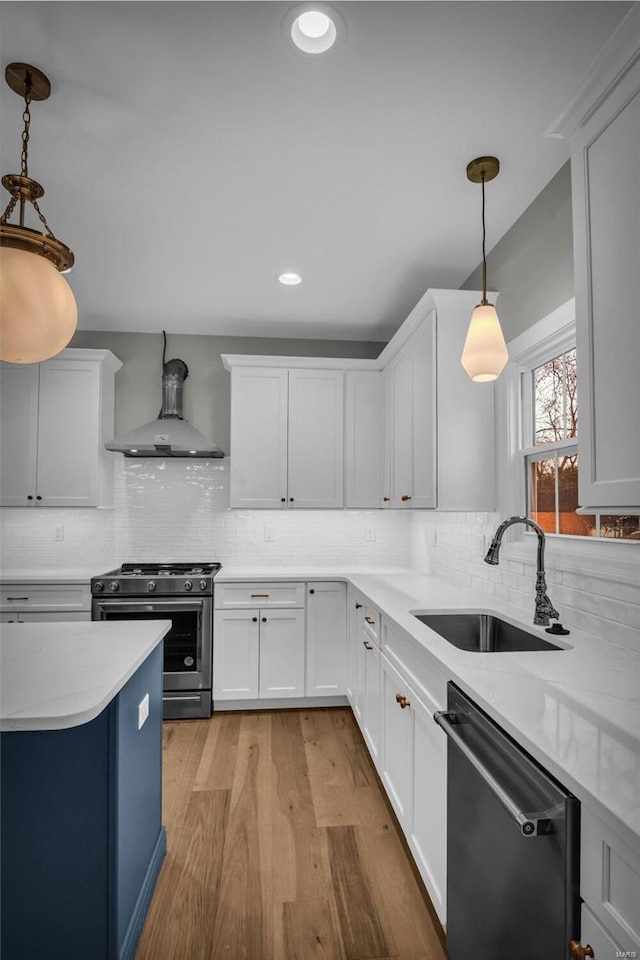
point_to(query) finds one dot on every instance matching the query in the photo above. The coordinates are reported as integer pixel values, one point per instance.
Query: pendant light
(38, 312)
(485, 352)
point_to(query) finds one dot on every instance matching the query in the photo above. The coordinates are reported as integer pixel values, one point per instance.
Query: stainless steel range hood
(170, 435)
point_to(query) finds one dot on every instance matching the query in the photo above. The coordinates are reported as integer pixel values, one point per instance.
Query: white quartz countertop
(59, 675)
(577, 711)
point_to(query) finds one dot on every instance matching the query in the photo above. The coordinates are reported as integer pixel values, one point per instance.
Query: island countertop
(59, 675)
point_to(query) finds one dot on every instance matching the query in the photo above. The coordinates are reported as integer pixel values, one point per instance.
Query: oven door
(187, 645)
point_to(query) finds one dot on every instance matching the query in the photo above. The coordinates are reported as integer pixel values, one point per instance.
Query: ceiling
(190, 152)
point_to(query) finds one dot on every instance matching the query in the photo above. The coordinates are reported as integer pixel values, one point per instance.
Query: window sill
(598, 557)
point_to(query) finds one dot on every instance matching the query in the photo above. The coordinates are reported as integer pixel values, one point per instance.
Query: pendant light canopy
(38, 312)
(485, 352)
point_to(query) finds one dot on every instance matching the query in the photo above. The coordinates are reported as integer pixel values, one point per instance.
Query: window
(549, 414)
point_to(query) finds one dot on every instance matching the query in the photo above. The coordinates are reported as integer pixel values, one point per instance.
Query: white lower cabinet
(50, 617)
(326, 639)
(368, 668)
(593, 934)
(258, 654)
(397, 762)
(44, 602)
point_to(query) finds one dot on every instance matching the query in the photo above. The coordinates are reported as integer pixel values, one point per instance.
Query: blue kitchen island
(82, 840)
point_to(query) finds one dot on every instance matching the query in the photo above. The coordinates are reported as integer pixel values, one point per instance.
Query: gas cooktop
(158, 578)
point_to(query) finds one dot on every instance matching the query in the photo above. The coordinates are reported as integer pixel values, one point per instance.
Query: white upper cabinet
(603, 124)
(259, 417)
(56, 417)
(287, 437)
(440, 430)
(316, 438)
(364, 438)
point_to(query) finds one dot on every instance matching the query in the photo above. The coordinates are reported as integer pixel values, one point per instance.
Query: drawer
(43, 596)
(52, 616)
(610, 880)
(371, 621)
(594, 935)
(236, 596)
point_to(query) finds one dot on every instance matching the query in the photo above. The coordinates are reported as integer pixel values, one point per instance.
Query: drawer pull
(402, 701)
(358, 605)
(367, 646)
(370, 620)
(259, 595)
(17, 598)
(578, 952)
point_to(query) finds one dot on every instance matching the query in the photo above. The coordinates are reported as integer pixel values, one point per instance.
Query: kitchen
(359, 361)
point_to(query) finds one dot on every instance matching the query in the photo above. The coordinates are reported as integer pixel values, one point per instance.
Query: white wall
(179, 510)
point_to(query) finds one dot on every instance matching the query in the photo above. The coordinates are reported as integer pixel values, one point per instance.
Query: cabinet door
(387, 442)
(316, 438)
(422, 348)
(281, 653)
(19, 433)
(402, 431)
(235, 654)
(364, 421)
(369, 668)
(68, 433)
(397, 739)
(258, 472)
(428, 832)
(326, 639)
(605, 171)
(353, 638)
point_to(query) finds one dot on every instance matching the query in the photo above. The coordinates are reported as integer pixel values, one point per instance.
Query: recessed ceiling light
(314, 29)
(289, 279)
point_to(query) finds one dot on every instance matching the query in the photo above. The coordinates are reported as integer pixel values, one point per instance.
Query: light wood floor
(281, 847)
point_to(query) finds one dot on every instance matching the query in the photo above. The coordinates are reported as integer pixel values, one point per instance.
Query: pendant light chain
(26, 116)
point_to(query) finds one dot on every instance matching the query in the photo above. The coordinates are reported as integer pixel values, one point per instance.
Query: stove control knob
(98, 586)
(203, 584)
(151, 585)
(113, 586)
(188, 585)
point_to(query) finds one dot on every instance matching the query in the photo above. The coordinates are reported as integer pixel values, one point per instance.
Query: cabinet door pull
(370, 620)
(402, 701)
(405, 497)
(264, 619)
(578, 952)
(386, 499)
(291, 499)
(254, 619)
(259, 595)
(366, 645)
(17, 598)
(29, 496)
(358, 605)
(312, 590)
(38, 497)
(283, 499)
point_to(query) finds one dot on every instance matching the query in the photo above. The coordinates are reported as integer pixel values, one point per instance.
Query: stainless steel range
(182, 593)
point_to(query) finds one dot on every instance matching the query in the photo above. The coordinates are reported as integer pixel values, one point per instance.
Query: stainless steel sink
(483, 633)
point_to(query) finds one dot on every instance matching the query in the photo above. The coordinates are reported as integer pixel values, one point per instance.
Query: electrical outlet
(143, 711)
(268, 534)
(369, 534)
(58, 534)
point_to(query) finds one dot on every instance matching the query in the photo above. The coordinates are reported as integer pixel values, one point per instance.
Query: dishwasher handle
(529, 826)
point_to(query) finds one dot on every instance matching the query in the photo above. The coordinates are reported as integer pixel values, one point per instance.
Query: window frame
(550, 337)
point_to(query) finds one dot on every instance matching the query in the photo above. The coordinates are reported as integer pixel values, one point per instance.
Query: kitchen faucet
(544, 608)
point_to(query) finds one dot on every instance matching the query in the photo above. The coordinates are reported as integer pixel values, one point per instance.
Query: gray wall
(207, 389)
(532, 265)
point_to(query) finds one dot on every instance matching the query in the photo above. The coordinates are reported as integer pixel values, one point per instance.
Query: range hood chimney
(170, 435)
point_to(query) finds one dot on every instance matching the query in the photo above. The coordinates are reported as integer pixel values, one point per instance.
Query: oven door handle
(529, 826)
(153, 606)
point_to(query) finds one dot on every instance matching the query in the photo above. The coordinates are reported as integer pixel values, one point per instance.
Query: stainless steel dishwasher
(513, 841)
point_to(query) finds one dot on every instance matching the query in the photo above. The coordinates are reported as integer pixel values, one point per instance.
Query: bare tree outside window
(553, 474)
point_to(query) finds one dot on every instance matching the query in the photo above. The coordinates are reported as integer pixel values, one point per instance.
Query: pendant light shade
(485, 353)
(37, 307)
(38, 313)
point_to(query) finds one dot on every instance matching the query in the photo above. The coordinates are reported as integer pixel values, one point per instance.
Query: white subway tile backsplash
(453, 545)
